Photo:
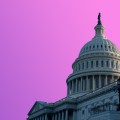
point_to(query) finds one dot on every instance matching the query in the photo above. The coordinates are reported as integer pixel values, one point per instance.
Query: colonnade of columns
(41, 117)
(87, 83)
(61, 115)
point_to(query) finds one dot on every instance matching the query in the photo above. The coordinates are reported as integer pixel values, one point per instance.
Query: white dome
(99, 44)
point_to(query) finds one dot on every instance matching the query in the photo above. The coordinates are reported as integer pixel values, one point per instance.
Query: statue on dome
(99, 20)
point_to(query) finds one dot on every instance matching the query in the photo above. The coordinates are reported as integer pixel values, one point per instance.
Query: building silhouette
(93, 88)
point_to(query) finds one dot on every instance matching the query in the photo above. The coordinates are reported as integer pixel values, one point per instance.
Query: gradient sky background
(39, 41)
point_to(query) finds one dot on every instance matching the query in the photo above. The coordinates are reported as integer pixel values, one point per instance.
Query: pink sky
(39, 41)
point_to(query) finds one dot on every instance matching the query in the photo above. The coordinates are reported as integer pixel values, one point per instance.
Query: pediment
(37, 106)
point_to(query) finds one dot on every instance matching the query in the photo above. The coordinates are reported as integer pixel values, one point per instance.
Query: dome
(99, 44)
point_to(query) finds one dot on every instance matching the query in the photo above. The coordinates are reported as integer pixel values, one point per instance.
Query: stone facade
(91, 88)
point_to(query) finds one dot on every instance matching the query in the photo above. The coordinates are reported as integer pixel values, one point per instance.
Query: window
(82, 65)
(83, 112)
(87, 65)
(112, 64)
(109, 48)
(79, 66)
(76, 68)
(117, 65)
(96, 63)
(102, 64)
(90, 47)
(107, 64)
(91, 64)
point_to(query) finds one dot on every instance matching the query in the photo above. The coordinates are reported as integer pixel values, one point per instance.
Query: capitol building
(93, 86)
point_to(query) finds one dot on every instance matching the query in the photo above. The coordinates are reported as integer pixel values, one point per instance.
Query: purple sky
(39, 41)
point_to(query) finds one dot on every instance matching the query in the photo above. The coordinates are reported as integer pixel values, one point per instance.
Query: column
(66, 115)
(93, 82)
(68, 86)
(59, 116)
(100, 81)
(74, 115)
(53, 117)
(87, 81)
(56, 116)
(106, 80)
(109, 64)
(62, 115)
(72, 86)
(81, 84)
(45, 116)
(40, 118)
(85, 84)
(76, 85)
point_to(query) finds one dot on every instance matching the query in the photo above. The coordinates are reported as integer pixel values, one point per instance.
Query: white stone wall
(83, 108)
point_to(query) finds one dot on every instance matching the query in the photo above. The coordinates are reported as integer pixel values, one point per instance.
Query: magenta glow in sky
(39, 41)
